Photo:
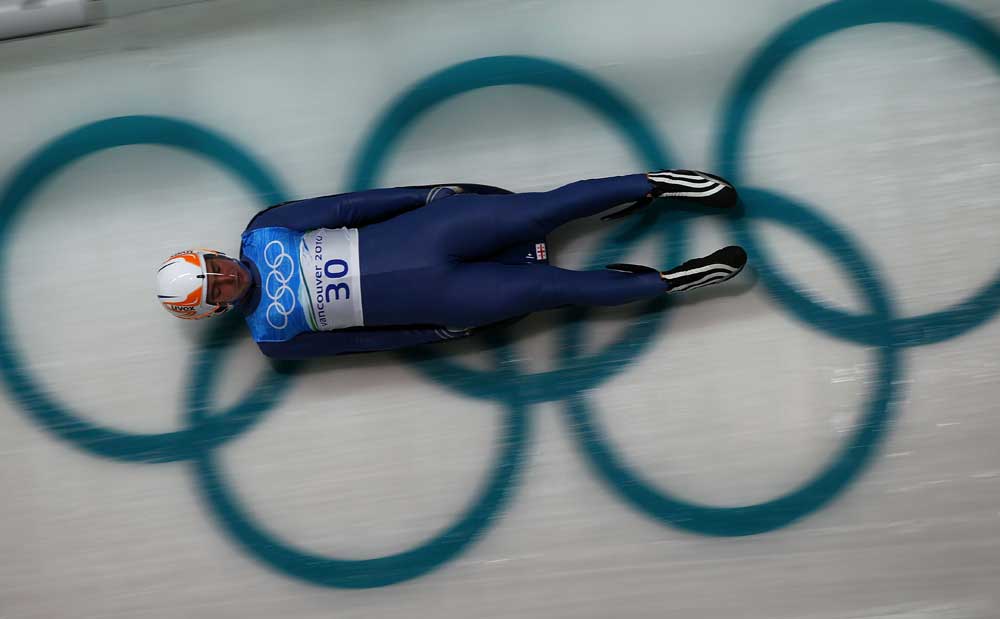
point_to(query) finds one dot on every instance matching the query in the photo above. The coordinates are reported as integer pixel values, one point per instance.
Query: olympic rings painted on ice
(507, 384)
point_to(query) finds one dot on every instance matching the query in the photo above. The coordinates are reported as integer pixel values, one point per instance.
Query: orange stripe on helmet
(192, 300)
(187, 256)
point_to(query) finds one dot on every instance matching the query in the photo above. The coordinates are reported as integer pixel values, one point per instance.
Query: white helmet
(182, 282)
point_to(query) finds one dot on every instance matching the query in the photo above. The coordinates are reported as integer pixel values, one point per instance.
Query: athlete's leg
(474, 226)
(481, 293)
(486, 224)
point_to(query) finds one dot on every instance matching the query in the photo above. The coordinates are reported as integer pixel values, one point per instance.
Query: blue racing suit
(390, 268)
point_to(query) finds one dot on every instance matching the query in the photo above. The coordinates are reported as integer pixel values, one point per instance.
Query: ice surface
(579, 465)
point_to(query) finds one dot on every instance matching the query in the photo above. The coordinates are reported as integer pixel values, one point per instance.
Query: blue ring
(920, 330)
(209, 430)
(815, 493)
(577, 371)
(481, 514)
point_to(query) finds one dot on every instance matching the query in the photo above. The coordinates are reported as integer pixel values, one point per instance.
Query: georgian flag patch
(540, 251)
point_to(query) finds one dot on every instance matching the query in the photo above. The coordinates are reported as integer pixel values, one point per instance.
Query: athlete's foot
(715, 268)
(700, 187)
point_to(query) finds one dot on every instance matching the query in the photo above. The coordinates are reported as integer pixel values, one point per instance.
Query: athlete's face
(227, 280)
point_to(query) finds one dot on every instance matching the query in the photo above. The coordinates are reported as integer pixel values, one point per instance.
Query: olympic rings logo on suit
(274, 274)
(506, 384)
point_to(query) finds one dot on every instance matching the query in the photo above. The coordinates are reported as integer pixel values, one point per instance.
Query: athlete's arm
(347, 210)
(365, 339)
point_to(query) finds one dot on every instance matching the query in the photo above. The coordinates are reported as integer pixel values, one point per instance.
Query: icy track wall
(817, 439)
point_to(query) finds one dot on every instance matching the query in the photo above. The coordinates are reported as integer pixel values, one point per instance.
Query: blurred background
(817, 438)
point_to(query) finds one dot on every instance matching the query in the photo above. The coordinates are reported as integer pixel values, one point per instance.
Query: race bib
(331, 274)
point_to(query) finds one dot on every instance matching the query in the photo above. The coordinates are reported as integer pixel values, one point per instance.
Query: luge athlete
(390, 268)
